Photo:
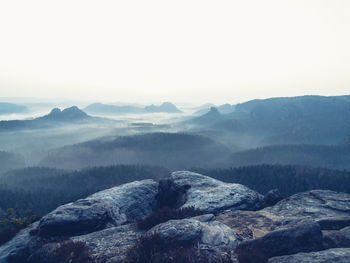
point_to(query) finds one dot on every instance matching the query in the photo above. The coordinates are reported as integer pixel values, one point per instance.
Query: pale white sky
(198, 51)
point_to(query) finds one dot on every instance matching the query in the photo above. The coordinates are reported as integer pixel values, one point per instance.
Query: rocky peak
(72, 113)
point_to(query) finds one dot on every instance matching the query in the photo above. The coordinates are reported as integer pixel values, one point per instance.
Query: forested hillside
(325, 156)
(295, 120)
(288, 179)
(170, 150)
(10, 161)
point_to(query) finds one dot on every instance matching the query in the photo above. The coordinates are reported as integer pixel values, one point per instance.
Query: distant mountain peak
(72, 113)
(55, 111)
(213, 110)
(167, 107)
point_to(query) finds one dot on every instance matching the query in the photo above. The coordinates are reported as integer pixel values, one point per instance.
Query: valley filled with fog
(47, 149)
(55, 153)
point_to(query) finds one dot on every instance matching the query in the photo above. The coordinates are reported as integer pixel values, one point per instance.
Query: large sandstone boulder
(111, 207)
(212, 238)
(202, 230)
(112, 244)
(213, 196)
(335, 255)
(315, 204)
(303, 237)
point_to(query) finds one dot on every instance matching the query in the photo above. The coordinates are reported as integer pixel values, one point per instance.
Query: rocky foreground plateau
(234, 222)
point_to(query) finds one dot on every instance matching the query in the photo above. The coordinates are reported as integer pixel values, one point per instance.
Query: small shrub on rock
(170, 194)
(12, 221)
(151, 248)
(72, 252)
(67, 251)
(252, 257)
(165, 214)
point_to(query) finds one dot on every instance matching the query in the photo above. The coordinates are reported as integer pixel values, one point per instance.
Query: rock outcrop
(111, 207)
(316, 223)
(337, 238)
(303, 237)
(213, 196)
(208, 234)
(112, 244)
(331, 210)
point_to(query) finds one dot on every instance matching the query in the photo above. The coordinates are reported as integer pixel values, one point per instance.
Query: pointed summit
(72, 113)
(167, 107)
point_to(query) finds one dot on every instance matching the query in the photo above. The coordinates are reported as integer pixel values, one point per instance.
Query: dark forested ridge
(288, 179)
(43, 189)
(325, 156)
(170, 150)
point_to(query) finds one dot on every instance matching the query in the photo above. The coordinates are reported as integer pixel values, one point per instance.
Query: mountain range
(100, 108)
(305, 120)
(56, 117)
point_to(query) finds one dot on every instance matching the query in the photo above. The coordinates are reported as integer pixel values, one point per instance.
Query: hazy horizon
(183, 51)
(67, 102)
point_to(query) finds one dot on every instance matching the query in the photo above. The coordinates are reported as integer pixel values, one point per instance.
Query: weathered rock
(42, 253)
(334, 223)
(17, 250)
(183, 232)
(217, 235)
(248, 224)
(335, 255)
(315, 204)
(110, 245)
(272, 197)
(336, 238)
(208, 234)
(320, 206)
(113, 206)
(304, 237)
(292, 225)
(213, 196)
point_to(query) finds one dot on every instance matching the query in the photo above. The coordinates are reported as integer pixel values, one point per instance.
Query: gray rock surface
(110, 245)
(208, 234)
(17, 249)
(328, 208)
(315, 204)
(110, 207)
(336, 238)
(335, 255)
(303, 237)
(213, 196)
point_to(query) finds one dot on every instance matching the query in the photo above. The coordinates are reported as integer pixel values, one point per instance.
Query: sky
(180, 51)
